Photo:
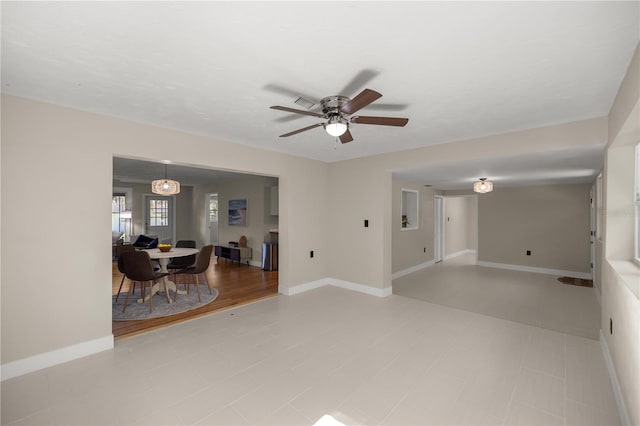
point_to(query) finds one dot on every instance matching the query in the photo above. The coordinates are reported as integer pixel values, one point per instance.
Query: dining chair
(138, 268)
(120, 250)
(203, 258)
(183, 261)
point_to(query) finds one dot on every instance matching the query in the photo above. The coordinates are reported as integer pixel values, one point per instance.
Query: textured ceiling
(458, 70)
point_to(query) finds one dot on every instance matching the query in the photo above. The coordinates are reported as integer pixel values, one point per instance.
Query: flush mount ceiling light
(336, 127)
(483, 186)
(165, 186)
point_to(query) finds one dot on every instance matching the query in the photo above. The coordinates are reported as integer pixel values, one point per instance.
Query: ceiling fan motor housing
(331, 105)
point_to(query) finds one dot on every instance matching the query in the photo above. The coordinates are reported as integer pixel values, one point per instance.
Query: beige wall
(552, 221)
(415, 246)
(620, 276)
(44, 147)
(251, 188)
(472, 226)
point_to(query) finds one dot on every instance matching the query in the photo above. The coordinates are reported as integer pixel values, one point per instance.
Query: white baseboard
(584, 275)
(361, 288)
(615, 384)
(301, 288)
(459, 253)
(58, 356)
(412, 269)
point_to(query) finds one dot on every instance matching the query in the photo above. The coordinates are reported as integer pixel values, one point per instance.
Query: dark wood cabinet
(236, 254)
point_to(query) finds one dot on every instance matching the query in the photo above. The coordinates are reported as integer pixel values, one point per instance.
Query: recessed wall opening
(204, 212)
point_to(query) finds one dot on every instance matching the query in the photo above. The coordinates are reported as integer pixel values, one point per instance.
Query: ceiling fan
(338, 112)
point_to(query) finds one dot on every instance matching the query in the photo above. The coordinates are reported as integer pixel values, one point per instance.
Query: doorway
(438, 203)
(160, 218)
(211, 206)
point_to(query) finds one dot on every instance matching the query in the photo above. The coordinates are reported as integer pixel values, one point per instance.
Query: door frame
(592, 231)
(438, 228)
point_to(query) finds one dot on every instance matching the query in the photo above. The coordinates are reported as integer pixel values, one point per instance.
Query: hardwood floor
(236, 284)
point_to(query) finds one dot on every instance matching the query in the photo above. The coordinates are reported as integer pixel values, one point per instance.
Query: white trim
(438, 228)
(55, 357)
(615, 384)
(361, 288)
(301, 288)
(596, 290)
(412, 269)
(459, 253)
(583, 275)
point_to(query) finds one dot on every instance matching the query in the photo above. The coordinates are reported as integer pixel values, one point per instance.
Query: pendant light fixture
(483, 186)
(165, 186)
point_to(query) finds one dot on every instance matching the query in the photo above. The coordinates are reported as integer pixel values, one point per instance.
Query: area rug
(576, 281)
(140, 311)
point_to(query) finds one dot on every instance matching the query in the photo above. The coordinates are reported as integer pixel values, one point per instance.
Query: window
(120, 216)
(409, 209)
(159, 212)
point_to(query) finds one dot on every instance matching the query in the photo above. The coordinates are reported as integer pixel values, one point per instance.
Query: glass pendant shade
(335, 127)
(165, 186)
(483, 186)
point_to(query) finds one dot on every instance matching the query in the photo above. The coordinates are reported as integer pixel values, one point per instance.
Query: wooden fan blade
(297, 111)
(381, 121)
(304, 129)
(346, 137)
(361, 100)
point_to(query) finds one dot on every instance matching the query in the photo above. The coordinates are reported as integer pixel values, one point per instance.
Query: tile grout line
(513, 391)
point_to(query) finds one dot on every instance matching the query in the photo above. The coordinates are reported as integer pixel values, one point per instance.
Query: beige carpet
(524, 297)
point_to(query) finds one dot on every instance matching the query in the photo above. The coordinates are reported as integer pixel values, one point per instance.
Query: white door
(159, 217)
(438, 226)
(211, 206)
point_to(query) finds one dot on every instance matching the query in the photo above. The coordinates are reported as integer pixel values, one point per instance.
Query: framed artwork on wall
(238, 212)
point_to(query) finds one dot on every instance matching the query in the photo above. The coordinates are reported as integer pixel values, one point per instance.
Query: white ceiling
(457, 70)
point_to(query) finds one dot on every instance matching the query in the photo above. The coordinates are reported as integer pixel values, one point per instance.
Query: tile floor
(526, 297)
(290, 360)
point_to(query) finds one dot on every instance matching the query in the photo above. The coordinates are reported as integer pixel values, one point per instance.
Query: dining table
(163, 258)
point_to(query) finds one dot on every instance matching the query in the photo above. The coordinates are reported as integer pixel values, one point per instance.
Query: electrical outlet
(366, 223)
(311, 253)
(610, 326)
(528, 252)
(425, 249)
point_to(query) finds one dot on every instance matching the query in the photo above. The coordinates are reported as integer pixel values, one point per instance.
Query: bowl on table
(164, 247)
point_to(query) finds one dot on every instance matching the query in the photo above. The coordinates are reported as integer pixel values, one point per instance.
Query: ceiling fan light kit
(336, 127)
(483, 186)
(338, 112)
